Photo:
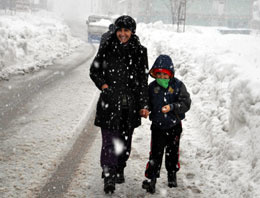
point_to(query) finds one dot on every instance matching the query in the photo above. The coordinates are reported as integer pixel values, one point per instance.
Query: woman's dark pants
(109, 158)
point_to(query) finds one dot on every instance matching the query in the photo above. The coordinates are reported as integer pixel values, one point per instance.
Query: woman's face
(123, 35)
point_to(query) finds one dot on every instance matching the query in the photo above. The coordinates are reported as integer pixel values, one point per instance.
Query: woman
(119, 70)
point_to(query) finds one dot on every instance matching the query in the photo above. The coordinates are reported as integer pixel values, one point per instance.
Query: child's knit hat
(162, 64)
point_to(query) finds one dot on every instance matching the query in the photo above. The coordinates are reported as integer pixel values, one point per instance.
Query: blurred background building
(23, 5)
(228, 13)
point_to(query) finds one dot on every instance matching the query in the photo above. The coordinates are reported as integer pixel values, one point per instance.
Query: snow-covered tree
(256, 15)
(174, 9)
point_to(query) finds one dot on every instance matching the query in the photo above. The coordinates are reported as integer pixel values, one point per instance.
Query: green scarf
(163, 82)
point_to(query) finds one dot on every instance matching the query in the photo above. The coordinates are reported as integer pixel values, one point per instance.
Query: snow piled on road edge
(221, 72)
(30, 41)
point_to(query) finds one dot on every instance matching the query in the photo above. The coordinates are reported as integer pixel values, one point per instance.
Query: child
(168, 102)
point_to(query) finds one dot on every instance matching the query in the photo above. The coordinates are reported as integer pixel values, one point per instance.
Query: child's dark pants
(168, 139)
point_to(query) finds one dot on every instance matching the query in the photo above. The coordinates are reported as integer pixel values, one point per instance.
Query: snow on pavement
(219, 145)
(196, 177)
(222, 74)
(42, 136)
(88, 182)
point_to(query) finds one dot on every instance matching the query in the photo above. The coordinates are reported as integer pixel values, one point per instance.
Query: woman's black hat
(127, 22)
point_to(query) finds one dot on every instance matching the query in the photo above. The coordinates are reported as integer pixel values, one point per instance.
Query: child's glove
(166, 108)
(144, 113)
(105, 86)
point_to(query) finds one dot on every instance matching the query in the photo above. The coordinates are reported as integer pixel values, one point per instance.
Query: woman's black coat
(124, 68)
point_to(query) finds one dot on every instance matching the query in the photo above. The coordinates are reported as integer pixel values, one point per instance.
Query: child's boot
(149, 185)
(172, 180)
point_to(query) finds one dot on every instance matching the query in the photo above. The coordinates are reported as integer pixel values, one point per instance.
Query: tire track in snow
(61, 178)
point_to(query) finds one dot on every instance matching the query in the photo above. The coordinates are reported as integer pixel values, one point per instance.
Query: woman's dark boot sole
(109, 189)
(109, 184)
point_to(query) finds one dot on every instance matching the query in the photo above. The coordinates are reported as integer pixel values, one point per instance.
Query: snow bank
(222, 74)
(31, 41)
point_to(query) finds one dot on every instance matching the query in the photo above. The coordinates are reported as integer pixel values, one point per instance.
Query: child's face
(162, 75)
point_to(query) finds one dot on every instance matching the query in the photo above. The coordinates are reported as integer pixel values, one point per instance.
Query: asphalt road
(60, 180)
(17, 92)
(20, 92)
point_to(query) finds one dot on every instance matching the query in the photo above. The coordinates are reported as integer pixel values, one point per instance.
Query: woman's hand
(105, 86)
(166, 108)
(144, 113)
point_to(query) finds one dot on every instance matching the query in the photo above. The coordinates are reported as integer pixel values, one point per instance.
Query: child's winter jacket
(176, 96)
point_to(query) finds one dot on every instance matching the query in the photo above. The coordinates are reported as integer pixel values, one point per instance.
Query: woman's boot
(109, 182)
(120, 178)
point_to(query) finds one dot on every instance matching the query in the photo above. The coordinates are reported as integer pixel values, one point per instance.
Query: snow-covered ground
(30, 41)
(219, 146)
(220, 153)
(223, 74)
